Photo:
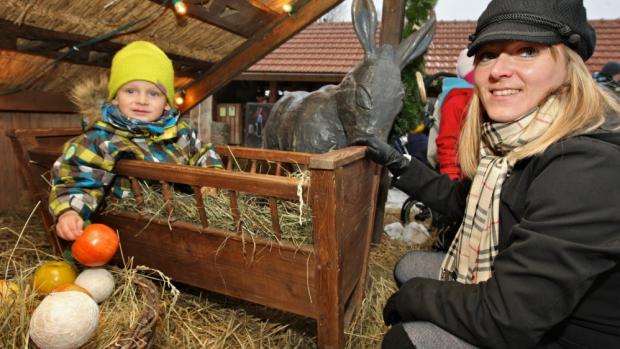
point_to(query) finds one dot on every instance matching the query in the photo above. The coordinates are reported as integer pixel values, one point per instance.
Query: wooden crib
(324, 280)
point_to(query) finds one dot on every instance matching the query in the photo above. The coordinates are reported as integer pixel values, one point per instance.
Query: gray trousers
(425, 335)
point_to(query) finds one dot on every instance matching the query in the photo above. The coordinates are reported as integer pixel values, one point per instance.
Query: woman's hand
(383, 154)
(69, 225)
(397, 307)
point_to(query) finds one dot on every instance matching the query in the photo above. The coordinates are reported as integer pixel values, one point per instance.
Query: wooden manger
(324, 280)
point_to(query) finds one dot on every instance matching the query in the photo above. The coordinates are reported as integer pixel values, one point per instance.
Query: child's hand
(69, 225)
(208, 191)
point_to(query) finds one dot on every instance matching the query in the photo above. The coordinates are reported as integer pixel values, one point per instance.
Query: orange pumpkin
(96, 246)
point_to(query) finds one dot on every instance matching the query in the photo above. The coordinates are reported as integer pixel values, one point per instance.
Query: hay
(189, 37)
(192, 318)
(294, 217)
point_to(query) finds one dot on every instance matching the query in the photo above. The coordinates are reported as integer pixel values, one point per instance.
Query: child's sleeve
(201, 155)
(79, 178)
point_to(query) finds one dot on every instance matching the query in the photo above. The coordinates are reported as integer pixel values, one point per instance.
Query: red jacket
(453, 111)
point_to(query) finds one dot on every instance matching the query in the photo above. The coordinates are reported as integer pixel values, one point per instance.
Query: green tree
(416, 13)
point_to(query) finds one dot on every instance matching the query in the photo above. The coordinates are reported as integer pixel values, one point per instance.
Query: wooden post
(330, 321)
(201, 117)
(392, 22)
(273, 91)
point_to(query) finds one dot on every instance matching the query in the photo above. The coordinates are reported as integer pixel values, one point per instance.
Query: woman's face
(513, 77)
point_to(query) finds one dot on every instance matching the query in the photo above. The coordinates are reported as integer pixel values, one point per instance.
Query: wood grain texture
(254, 271)
(15, 195)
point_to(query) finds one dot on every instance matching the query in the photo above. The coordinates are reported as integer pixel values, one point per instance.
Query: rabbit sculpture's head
(371, 95)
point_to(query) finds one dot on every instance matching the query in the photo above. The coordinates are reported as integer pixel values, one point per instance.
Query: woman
(536, 260)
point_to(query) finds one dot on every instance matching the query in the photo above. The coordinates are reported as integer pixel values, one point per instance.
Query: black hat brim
(512, 31)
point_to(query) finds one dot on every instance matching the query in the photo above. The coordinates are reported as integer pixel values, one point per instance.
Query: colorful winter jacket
(82, 173)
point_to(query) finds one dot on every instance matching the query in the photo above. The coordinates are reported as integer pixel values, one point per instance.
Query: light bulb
(180, 7)
(178, 100)
(287, 8)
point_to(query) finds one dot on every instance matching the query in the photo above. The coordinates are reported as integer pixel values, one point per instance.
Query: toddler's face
(141, 100)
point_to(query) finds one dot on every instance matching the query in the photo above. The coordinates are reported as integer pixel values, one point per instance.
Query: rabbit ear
(416, 43)
(364, 18)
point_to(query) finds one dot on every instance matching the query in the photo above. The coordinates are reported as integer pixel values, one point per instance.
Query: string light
(180, 98)
(287, 8)
(179, 7)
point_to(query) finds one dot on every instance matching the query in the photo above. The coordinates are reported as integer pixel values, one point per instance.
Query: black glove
(397, 307)
(383, 154)
(390, 311)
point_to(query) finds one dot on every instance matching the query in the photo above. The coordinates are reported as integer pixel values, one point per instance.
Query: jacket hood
(448, 84)
(88, 96)
(609, 131)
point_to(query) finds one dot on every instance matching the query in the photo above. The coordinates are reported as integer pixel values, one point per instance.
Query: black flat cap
(541, 21)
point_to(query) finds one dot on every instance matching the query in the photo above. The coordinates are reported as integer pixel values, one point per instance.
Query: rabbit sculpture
(365, 102)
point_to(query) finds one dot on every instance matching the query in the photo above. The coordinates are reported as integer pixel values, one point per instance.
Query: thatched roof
(216, 40)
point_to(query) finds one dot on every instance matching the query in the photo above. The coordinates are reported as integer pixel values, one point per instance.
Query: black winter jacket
(556, 280)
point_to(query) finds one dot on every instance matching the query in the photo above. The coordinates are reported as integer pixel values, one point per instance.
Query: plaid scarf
(472, 252)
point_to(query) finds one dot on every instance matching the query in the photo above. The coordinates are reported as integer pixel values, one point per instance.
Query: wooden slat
(264, 154)
(278, 76)
(330, 322)
(234, 210)
(15, 193)
(275, 220)
(166, 193)
(29, 174)
(271, 275)
(337, 158)
(267, 185)
(36, 101)
(200, 205)
(355, 222)
(256, 48)
(137, 192)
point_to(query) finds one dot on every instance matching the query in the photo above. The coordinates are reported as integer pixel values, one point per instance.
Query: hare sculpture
(365, 102)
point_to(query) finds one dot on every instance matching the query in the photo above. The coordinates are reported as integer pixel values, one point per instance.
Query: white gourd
(64, 320)
(98, 281)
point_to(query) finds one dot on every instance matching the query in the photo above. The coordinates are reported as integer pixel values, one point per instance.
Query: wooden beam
(392, 22)
(36, 101)
(236, 16)
(304, 77)
(256, 48)
(53, 44)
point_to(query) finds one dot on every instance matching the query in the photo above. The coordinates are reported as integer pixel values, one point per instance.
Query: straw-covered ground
(189, 317)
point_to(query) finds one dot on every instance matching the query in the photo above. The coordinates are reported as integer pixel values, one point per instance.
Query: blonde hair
(584, 106)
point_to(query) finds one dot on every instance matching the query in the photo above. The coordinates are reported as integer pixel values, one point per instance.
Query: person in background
(138, 121)
(453, 103)
(417, 142)
(609, 76)
(536, 261)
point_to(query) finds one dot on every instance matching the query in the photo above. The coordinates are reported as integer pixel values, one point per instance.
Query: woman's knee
(417, 264)
(397, 338)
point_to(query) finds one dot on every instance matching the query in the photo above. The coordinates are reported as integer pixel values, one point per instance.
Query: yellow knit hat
(142, 60)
